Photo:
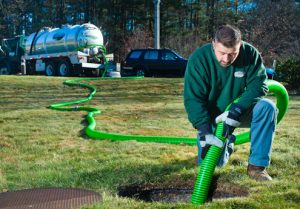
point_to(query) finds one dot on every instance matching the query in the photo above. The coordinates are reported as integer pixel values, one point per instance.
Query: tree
(274, 28)
(270, 25)
(10, 18)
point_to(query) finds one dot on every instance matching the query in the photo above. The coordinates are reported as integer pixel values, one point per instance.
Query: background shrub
(288, 72)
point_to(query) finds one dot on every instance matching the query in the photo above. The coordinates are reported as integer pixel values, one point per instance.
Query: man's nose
(226, 58)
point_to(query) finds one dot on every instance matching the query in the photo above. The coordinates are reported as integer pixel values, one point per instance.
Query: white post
(156, 24)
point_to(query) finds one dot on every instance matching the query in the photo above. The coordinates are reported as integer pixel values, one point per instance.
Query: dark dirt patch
(180, 193)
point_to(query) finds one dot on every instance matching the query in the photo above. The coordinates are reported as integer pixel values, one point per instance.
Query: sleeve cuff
(237, 108)
(204, 129)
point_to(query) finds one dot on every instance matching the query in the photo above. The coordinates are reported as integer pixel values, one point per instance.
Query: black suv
(153, 62)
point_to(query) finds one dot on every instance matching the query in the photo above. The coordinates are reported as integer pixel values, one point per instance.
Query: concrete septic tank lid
(48, 198)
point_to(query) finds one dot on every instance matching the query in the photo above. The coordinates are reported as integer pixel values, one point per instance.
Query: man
(218, 73)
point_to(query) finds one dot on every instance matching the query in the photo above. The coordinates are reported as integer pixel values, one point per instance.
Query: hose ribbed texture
(204, 178)
(207, 168)
(208, 165)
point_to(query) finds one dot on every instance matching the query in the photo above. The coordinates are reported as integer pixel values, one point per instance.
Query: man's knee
(266, 104)
(265, 108)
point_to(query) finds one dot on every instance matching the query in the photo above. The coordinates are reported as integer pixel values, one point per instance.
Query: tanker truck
(69, 50)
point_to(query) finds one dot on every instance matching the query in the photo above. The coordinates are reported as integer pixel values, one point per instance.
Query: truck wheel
(64, 68)
(95, 72)
(4, 69)
(50, 69)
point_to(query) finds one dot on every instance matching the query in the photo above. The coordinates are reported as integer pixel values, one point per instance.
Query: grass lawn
(42, 148)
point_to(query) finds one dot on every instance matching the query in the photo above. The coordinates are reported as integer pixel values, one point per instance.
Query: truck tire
(4, 69)
(50, 69)
(64, 68)
(95, 72)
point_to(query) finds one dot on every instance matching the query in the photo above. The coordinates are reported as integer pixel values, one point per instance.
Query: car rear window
(151, 55)
(135, 54)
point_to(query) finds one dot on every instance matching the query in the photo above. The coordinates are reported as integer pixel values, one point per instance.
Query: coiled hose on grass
(204, 178)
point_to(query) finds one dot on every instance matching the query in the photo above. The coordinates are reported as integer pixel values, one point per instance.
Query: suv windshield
(178, 55)
(165, 55)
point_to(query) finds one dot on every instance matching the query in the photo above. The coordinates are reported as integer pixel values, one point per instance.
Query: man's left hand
(231, 119)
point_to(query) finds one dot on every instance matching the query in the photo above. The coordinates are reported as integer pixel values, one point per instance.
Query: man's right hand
(206, 141)
(231, 119)
(210, 139)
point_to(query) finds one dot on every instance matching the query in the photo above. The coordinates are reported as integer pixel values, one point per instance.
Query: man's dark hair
(228, 35)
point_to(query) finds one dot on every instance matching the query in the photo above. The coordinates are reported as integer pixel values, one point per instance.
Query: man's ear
(213, 43)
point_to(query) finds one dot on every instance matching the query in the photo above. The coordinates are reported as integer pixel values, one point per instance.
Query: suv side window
(135, 54)
(151, 55)
(166, 55)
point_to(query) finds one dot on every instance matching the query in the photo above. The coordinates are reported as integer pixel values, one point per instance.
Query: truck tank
(65, 39)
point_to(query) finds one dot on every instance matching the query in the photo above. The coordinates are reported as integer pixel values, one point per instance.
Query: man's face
(225, 56)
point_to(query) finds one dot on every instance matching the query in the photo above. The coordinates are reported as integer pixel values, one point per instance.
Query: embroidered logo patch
(239, 74)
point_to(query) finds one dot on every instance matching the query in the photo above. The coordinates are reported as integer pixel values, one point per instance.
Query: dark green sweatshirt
(209, 88)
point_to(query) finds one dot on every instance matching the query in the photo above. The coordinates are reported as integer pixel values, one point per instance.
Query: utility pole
(156, 24)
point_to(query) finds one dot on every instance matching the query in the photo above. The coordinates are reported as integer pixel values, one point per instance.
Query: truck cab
(11, 51)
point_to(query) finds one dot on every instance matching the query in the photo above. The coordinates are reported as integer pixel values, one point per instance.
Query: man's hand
(206, 141)
(227, 151)
(210, 139)
(231, 119)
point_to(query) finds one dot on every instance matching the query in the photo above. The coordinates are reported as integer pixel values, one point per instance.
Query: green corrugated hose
(208, 165)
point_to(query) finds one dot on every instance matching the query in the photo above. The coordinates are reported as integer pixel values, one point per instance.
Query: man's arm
(196, 89)
(256, 87)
